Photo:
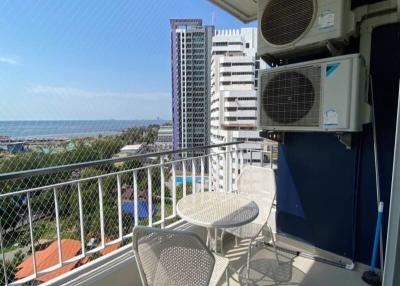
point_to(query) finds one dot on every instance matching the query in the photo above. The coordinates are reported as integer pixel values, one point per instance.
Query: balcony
(75, 226)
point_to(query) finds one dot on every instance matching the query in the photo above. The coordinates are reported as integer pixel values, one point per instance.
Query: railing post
(119, 206)
(193, 176)
(202, 174)
(150, 198)
(210, 177)
(184, 177)
(262, 158)
(81, 219)
(236, 170)
(135, 199)
(60, 261)
(28, 197)
(270, 159)
(101, 212)
(218, 173)
(173, 189)
(230, 171)
(3, 257)
(162, 192)
(241, 159)
(225, 172)
(251, 157)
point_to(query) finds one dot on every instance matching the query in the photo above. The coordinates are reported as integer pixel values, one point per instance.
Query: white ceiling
(245, 10)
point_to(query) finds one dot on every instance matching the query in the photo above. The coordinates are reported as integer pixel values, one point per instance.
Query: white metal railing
(97, 192)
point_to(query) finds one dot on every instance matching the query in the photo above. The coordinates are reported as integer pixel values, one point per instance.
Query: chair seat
(220, 266)
(249, 230)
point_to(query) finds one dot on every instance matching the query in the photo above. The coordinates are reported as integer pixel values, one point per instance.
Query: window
(230, 109)
(247, 108)
(243, 64)
(246, 118)
(220, 44)
(235, 43)
(242, 73)
(242, 82)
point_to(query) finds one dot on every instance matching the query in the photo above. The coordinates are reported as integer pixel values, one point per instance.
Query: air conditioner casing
(303, 26)
(328, 95)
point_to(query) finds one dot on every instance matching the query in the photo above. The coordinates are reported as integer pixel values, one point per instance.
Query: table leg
(212, 239)
(216, 240)
(209, 239)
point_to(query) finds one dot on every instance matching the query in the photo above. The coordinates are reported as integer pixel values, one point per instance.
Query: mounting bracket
(273, 136)
(345, 139)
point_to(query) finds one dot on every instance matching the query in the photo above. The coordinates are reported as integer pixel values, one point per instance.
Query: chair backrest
(259, 185)
(171, 257)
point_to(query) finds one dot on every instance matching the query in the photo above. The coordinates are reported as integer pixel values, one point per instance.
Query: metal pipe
(149, 197)
(376, 161)
(58, 227)
(173, 190)
(119, 205)
(80, 205)
(135, 198)
(28, 198)
(101, 212)
(202, 174)
(162, 191)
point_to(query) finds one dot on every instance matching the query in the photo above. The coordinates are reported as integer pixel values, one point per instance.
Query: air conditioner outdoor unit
(291, 28)
(322, 95)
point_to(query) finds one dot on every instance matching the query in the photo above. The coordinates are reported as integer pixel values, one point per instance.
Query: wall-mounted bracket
(345, 139)
(273, 136)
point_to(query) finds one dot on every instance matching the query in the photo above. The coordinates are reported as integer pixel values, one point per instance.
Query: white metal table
(217, 210)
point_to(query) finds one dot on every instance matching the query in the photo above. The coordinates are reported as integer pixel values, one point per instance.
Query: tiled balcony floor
(293, 270)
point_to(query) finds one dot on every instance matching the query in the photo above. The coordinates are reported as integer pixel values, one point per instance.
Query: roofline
(224, 4)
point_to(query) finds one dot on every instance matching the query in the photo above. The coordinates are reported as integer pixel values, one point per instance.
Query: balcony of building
(73, 224)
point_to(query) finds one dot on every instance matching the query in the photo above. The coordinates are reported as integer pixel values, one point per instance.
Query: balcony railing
(86, 210)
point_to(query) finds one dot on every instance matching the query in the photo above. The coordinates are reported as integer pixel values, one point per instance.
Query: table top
(217, 209)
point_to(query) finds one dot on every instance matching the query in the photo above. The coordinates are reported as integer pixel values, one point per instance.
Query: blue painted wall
(317, 189)
(326, 194)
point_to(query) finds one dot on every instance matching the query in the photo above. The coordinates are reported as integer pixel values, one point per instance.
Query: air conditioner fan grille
(284, 21)
(292, 98)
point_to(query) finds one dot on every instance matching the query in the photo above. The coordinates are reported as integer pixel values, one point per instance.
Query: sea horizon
(60, 129)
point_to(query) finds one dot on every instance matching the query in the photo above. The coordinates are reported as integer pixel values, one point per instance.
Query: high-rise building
(191, 44)
(233, 107)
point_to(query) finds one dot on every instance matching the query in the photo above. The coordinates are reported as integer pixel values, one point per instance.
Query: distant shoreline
(47, 130)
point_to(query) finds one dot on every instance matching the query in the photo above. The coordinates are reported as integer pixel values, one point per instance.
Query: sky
(91, 59)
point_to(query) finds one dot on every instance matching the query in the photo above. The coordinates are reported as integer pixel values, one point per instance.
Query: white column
(391, 275)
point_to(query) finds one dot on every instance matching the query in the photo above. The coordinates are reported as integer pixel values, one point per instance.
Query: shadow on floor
(266, 270)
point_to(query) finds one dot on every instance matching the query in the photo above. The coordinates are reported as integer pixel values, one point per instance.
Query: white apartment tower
(233, 106)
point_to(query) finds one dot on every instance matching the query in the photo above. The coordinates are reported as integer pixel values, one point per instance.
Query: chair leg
(248, 262)
(273, 244)
(222, 242)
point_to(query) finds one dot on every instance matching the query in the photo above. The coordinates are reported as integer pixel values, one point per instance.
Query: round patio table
(217, 210)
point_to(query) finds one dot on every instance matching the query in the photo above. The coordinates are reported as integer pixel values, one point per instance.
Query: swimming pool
(189, 179)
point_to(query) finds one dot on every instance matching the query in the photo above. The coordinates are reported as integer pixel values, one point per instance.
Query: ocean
(68, 128)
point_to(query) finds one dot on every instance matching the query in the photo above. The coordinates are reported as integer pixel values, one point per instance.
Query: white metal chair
(257, 184)
(172, 257)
